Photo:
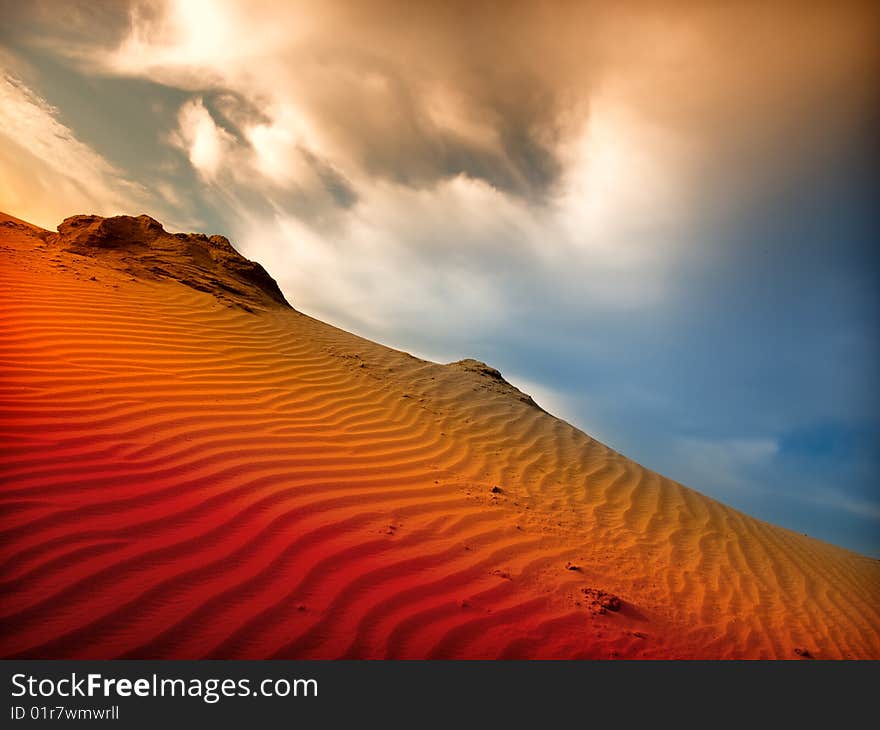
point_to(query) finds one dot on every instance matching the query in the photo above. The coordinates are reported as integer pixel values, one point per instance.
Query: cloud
(397, 101)
(595, 133)
(206, 144)
(46, 173)
(416, 93)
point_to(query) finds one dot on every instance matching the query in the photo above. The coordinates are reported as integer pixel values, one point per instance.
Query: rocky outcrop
(142, 247)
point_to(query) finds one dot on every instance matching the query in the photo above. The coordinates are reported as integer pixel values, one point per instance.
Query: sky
(659, 219)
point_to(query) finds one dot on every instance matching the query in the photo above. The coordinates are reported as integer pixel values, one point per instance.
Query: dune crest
(192, 468)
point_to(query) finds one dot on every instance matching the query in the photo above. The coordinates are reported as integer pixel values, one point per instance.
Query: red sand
(192, 473)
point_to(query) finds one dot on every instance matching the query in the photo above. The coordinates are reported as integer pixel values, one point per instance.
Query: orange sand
(182, 478)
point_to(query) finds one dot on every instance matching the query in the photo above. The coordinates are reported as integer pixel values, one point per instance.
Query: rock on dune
(145, 248)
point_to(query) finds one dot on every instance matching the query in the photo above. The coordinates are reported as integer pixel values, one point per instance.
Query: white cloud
(167, 40)
(206, 144)
(46, 173)
(623, 184)
(400, 256)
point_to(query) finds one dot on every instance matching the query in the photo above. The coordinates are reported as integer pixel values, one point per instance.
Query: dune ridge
(192, 468)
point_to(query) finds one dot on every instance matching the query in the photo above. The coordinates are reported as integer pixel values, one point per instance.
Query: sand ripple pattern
(181, 479)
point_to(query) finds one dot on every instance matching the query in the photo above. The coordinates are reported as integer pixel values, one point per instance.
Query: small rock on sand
(600, 602)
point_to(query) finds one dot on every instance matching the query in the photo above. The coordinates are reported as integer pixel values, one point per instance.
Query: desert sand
(191, 468)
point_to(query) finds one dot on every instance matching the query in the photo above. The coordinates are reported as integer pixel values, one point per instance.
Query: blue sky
(661, 224)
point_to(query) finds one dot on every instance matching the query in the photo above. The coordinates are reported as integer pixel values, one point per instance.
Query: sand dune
(191, 468)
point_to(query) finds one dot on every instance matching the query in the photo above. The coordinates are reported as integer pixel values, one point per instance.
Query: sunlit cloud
(597, 167)
(46, 173)
(206, 144)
